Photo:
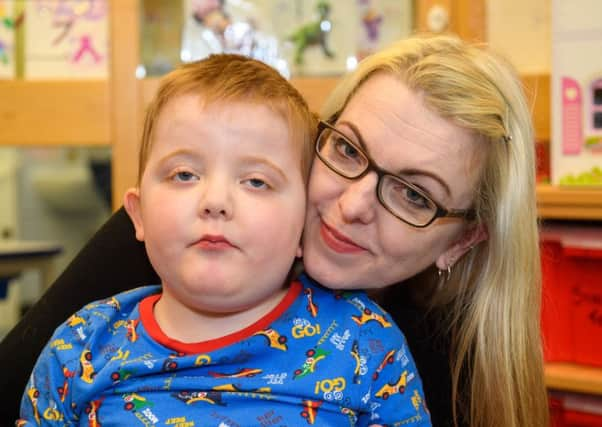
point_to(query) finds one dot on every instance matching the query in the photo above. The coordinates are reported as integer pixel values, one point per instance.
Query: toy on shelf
(314, 33)
(381, 22)
(214, 26)
(333, 36)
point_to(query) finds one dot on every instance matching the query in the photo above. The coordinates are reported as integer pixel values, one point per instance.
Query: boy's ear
(299, 250)
(131, 202)
(468, 239)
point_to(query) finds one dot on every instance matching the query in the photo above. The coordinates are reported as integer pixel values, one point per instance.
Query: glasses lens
(406, 201)
(340, 154)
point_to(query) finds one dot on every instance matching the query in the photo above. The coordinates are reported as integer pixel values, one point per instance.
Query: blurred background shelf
(575, 378)
(64, 112)
(569, 203)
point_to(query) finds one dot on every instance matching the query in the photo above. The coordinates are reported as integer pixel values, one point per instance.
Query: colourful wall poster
(66, 39)
(7, 39)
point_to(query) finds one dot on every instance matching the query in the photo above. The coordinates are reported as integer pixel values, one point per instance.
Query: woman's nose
(358, 202)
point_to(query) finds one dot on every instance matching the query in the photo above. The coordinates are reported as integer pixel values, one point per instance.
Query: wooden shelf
(575, 378)
(78, 113)
(569, 203)
(63, 112)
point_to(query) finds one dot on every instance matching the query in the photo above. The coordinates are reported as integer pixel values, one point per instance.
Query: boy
(227, 339)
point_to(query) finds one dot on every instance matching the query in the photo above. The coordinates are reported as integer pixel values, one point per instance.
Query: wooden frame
(125, 99)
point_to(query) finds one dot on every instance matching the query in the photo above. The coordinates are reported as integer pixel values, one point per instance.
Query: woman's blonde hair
(491, 301)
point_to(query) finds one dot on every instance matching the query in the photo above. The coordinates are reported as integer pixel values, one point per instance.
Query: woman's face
(350, 239)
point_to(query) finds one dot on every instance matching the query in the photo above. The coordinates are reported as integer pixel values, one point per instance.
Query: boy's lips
(337, 241)
(213, 242)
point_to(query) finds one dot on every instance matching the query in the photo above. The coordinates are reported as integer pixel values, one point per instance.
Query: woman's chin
(326, 275)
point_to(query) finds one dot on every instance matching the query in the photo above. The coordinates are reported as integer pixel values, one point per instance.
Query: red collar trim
(152, 327)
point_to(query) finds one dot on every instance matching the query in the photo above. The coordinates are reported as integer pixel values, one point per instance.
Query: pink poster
(66, 39)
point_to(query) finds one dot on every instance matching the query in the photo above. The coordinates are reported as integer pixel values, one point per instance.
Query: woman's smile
(337, 241)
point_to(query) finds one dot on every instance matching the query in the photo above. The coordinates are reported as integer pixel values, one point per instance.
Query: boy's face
(221, 203)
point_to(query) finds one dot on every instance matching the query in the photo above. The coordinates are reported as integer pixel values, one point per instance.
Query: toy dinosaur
(313, 33)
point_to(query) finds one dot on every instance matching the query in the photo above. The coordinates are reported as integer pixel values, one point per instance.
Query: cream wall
(521, 30)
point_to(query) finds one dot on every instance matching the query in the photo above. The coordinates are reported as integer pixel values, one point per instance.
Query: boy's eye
(257, 183)
(184, 176)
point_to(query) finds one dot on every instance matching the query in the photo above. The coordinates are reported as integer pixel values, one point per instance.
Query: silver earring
(447, 273)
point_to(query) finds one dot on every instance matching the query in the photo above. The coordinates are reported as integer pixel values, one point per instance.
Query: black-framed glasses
(401, 198)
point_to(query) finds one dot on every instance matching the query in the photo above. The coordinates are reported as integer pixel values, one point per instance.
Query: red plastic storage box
(572, 294)
(575, 410)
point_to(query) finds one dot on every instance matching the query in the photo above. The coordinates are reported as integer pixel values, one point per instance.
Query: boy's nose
(215, 211)
(216, 201)
(358, 202)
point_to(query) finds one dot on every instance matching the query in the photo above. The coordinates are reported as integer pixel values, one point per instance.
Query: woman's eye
(184, 176)
(409, 198)
(345, 149)
(414, 197)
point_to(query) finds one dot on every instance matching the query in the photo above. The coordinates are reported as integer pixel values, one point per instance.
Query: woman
(424, 179)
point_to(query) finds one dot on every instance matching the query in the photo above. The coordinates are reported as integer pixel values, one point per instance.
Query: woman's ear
(131, 202)
(469, 238)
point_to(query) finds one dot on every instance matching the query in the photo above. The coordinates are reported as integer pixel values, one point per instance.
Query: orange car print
(130, 327)
(92, 411)
(312, 308)
(235, 389)
(113, 303)
(52, 414)
(360, 363)
(387, 360)
(189, 397)
(63, 390)
(417, 401)
(350, 414)
(275, 340)
(75, 320)
(310, 410)
(87, 370)
(33, 394)
(398, 387)
(244, 372)
(368, 315)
